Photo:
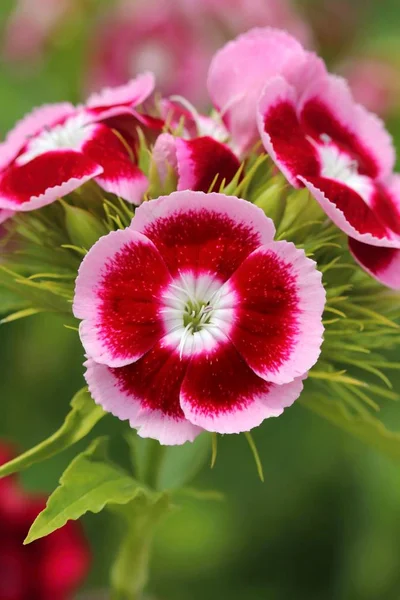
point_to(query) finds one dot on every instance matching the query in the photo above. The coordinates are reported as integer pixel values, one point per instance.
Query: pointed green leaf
(366, 427)
(80, 420)
(89, 483)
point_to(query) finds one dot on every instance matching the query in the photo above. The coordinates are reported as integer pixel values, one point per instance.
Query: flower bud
(84, 229)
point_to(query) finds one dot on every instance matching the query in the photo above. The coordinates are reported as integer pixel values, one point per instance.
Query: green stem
(155, 455)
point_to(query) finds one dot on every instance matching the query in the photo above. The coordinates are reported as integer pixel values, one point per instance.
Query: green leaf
(89, 483)
(80, 420)
(366, 427)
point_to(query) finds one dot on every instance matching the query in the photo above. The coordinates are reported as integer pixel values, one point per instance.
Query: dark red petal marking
(120, 175)
(381, 263)
(317, 119)
(129, 292)
(386, 208)
(155, 380)
(354, 208)
(221, 383)
(202, 240)
(201, 160)
(18, 184)
(266, 327)
(291, 146)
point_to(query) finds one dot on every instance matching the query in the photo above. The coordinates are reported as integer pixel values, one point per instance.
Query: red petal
(45, 179)
(382, 263)
(282, 134)
(221, 393)
(203, 232)
(117, 295)
(202, 160)
(120, 175)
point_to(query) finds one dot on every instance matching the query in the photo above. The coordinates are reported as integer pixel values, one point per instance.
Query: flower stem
(155, 455)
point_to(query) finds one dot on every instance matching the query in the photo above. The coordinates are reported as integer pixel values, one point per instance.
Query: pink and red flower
(319, 138)
(240, 70)
(194, 318)
(57, 148)
(49, 569)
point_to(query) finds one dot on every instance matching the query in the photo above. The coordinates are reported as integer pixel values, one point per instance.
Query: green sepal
(167, 467)
(79, 422)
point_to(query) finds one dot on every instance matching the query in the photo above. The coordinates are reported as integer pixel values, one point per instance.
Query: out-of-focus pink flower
(236, 16)
(151, 35)
(374, 82)
(176, 39)
(5, 215)
(195, 318)
(30, 26)
(49, 569)
(59, 147)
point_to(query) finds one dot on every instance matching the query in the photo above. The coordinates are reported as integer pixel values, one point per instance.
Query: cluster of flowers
(51, 569)
(193, 317)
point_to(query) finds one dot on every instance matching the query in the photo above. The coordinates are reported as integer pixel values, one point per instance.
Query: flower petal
(381, 263)
(146, 393)
(280, 299)
(119, 283)
(120, 176)
(345, 207)
(203, 161)
(5, 215)
(30, 125)
(164, 155)
(44, 179)
(239, 71)
(328, 108)
(203, 232)
(282, 134)
(120, 100)
(221, 393)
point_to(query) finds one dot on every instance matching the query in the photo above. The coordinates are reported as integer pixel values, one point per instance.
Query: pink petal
(44, 179)
(382, 263)
(352, 214)
(146, 393)
(280, 301)
(238, 73)
(203, 232)
(282, 134)
(221, 393)
(44, 116)
(117, 295)
(203, 161)
(328, 108)
(120, 100)
(120, 176)
(5, 215)
(164, 155)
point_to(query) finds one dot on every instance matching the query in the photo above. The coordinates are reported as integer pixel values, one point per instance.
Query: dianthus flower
(50, 569)
(318, 136)
(59, 147)
(195, 318)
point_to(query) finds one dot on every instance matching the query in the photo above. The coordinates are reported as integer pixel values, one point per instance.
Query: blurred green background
(325, 525)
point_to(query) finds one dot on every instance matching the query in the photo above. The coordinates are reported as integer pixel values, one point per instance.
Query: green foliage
(79, 422)
(89, 484)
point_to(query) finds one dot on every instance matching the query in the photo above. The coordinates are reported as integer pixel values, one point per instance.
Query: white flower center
(338, 165)
(69, 135)
(198, 313)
